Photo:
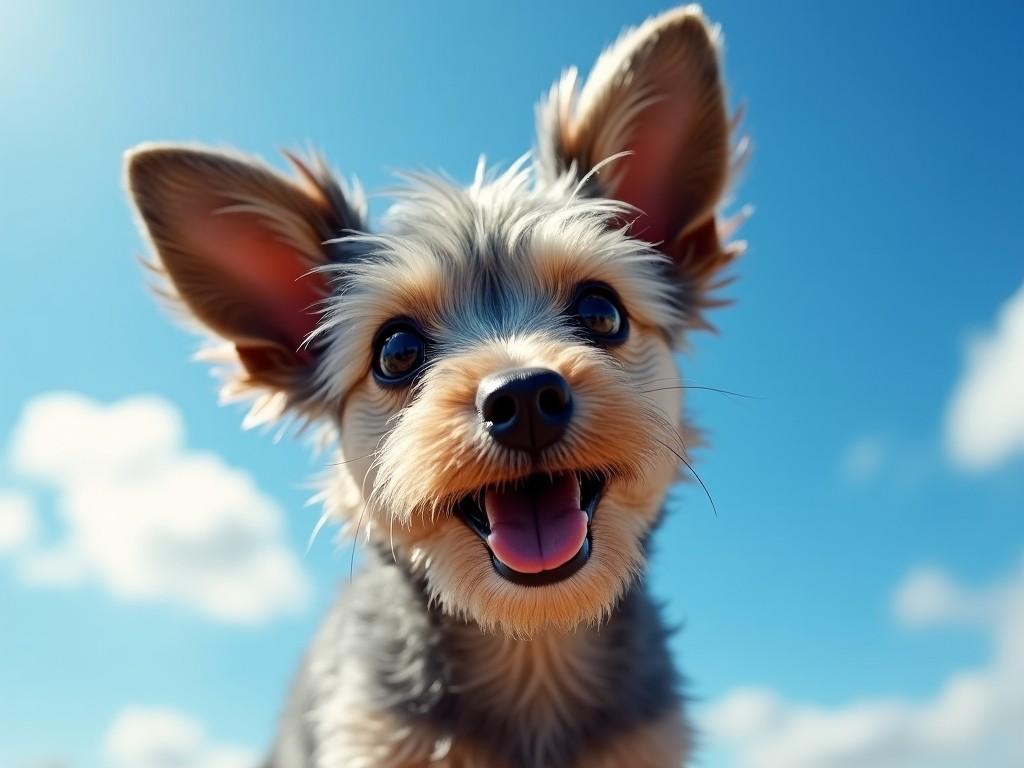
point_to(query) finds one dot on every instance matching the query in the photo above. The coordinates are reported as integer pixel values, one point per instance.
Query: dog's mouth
(537, 529)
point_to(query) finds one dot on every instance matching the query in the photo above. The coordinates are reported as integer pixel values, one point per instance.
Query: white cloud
(985, 418)
(148, 519)
(17, 521)
(973, 719)
(165, 738)
(929, 597)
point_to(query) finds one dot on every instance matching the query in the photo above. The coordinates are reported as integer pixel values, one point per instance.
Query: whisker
(675, 379)
(676, 382)
(355, 540)
(692, 472)
(726, 392)
(362, 493)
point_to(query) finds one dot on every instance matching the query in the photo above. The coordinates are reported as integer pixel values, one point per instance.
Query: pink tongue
(535, 530)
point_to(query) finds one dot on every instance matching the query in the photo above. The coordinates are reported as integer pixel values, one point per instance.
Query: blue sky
(877, 321)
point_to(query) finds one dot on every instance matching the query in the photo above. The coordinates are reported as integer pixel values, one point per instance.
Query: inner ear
(240, 275)
(655, 96)
(243, 247)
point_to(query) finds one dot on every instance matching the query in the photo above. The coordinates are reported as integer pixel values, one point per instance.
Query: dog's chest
(382, 742)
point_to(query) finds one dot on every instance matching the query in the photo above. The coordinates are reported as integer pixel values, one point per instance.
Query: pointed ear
(657, 95)
(239, 244)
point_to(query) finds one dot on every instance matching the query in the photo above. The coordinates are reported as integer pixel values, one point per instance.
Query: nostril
(551, 401)
(500, 410)
(527, 409)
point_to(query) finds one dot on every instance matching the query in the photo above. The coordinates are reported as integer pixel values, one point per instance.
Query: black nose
(527, 409)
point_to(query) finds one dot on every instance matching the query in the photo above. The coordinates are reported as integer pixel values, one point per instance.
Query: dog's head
(498, 364)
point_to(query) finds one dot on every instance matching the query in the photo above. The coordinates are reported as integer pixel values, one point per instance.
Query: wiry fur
(430, 657)
(446, 695)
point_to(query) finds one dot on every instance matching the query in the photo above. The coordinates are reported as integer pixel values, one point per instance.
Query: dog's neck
(543, 680)
(547, 695)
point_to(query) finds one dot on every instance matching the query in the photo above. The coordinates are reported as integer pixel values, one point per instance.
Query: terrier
(497, 370)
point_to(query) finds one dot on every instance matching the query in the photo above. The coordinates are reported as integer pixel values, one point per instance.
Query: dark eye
(400, 351)
(599, 314)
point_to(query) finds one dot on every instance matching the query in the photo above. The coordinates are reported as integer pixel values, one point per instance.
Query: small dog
(498, 371)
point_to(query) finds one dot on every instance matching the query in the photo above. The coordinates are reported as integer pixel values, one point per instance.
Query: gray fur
(383, 622)
(430, 658)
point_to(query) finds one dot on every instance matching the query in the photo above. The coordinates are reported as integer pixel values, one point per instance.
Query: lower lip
(543, 578)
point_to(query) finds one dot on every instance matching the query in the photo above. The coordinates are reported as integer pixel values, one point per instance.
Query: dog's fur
(431, 657)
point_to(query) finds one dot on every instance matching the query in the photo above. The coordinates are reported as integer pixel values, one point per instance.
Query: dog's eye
(400, 351)
(598, 312)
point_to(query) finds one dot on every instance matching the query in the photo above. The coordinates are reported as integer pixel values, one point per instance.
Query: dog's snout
(527, 409)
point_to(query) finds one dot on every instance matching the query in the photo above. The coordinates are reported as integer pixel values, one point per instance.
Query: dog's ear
(657, 95)
(240, 245)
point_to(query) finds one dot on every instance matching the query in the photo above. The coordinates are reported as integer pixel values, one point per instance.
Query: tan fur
(624, 191)
(435, 452)
(432, 262)
(655, 93)
(377, 741)
(636, 101)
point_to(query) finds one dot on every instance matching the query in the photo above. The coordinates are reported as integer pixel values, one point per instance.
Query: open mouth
(537, 529)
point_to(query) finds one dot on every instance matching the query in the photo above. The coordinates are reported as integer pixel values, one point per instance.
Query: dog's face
(498, 365)
(507, 408)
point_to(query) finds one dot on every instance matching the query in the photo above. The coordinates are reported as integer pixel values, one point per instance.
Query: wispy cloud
(145, 517)
(888, 458)
(141, 737)
(863, 459)
(973, 719)
(985, 417)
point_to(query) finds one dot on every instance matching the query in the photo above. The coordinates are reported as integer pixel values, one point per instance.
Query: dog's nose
(527, 409)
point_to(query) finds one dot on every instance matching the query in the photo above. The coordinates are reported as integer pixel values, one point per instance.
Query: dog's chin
(548, 552)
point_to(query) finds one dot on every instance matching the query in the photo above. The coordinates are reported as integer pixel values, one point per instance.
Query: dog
(496, 370)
